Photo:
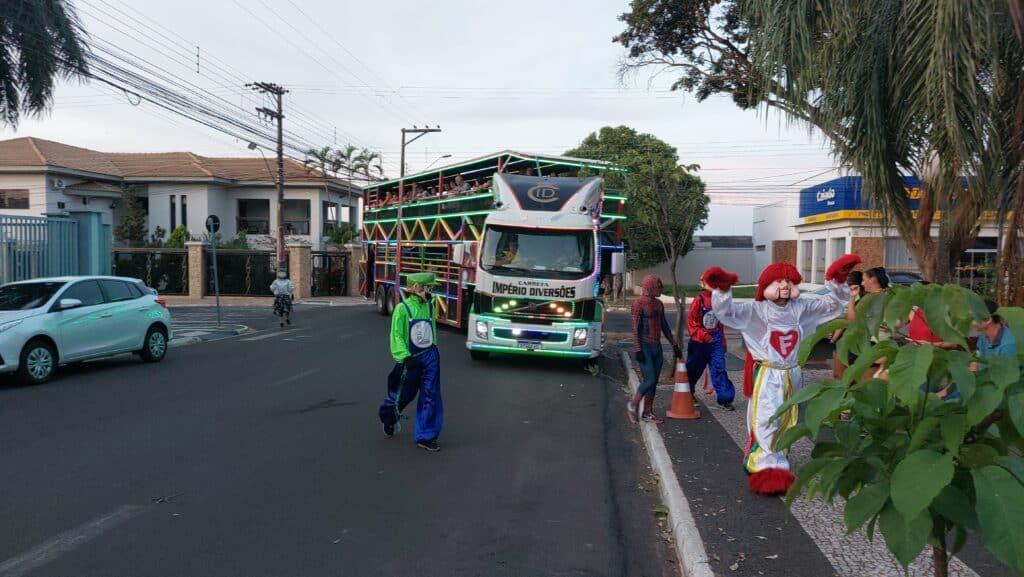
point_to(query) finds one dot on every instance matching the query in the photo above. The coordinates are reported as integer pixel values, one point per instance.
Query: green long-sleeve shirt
(400, 325)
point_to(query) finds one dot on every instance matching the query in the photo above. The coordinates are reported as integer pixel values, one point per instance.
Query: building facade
(45, 178)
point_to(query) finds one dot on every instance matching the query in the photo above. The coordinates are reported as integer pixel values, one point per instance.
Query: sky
(534, 76)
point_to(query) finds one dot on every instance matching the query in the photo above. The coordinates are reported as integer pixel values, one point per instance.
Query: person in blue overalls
(417, 365)
(707, 345)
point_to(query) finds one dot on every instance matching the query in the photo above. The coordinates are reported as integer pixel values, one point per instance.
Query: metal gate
(330, 274)
(34, 247)
(242, 272)
(165, 269)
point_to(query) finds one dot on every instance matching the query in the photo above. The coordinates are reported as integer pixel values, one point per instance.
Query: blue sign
(845, 193)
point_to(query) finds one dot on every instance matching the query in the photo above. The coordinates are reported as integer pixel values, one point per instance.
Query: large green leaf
(864, 362)
(977, 455)
(821, 406)
(824, 331)
(958, 363)
(1004, 371)
(804, 476)
(1013, 464)
(802, 395)
(897, 309)
(1015, 406)
(870, 309)
(959, 310)
(985, 400)
(953, 428)
(1000, 506)
(792, 435)
(955, 505)
(936, 310)
(909, 371)
(922, 432)
(865, 505)
(904, 538)
(918, 479)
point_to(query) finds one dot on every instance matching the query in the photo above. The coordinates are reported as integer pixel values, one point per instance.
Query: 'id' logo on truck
(543, 193)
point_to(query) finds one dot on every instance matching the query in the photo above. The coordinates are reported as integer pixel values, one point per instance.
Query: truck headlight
(481, 330)
(579, 337)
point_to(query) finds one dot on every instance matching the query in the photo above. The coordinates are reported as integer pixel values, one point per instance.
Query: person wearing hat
(417, 365)
(706, 349)
(772, 327)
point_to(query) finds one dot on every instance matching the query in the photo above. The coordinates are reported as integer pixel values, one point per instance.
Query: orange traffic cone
(682, 396)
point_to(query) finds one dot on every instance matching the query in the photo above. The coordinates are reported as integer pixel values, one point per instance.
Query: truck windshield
(564, 254)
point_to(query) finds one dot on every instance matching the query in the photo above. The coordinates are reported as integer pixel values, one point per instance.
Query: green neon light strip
(491, 319)
(478, 161)
(614, 216)
(429, 217)
(518, 351)
(430, 202)
(614, 197)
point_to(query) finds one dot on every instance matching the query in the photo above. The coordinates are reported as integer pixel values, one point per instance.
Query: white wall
(773, 222)
(37, 193)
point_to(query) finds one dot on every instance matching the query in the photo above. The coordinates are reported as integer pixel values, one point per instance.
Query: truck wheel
(379, 299)
(389, 301)
(479, 355)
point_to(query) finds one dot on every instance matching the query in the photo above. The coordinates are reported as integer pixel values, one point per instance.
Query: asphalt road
(261, 455)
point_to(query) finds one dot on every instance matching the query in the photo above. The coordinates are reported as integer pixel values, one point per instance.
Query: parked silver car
(48, 322)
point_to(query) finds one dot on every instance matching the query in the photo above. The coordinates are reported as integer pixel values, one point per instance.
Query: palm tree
(1010, 285)
(346, 158)
(322, 159)
(368, 162)
(906, 88)
(41, 40)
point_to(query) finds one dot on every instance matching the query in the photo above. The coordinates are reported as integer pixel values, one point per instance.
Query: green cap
(422, 278)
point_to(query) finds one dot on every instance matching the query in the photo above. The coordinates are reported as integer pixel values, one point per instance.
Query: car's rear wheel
(38, 363)
(380, 300)
(154, 348)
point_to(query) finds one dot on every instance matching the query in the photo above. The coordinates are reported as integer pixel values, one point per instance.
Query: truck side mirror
(618, 262)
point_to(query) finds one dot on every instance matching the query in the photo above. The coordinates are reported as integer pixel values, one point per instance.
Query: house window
(838, 247)
(174, 214)
(806, 257)
(254, 216)
(184, 211)
(14, 198)
(819, 261)
(296, 216)
(330, 216)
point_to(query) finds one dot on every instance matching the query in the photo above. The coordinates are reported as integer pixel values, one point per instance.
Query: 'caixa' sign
(844, 194)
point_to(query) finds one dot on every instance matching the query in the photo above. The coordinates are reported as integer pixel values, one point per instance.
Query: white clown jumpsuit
(772, 335)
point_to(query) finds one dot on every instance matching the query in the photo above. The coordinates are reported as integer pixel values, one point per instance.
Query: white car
(54, 321)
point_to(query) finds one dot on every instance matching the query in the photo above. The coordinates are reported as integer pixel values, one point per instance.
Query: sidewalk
(745, 534)
(210, 301)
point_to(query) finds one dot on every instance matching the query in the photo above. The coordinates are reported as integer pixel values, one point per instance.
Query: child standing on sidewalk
(648, 316)
(707, 345)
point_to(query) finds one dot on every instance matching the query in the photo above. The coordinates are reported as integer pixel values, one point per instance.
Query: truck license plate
(528, 345)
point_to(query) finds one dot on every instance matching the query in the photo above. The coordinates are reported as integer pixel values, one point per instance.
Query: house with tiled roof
(42, 177)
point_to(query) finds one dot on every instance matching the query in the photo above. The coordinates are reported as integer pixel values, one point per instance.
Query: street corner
(190, 335)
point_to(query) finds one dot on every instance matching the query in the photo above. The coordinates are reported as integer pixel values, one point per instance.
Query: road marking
(66, 542)
(268, 335)
(290, 379)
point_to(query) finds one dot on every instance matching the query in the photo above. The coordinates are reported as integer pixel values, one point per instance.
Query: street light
(436, 159)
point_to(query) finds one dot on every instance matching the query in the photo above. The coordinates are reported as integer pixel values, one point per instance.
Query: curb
(693, 557)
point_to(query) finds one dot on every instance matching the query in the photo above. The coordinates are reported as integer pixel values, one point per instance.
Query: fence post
(300, 269)
(196, 269)
(354, 254)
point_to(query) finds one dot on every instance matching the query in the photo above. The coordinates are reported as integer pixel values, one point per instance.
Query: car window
(119, 291)
(25, 296)
(87, 291)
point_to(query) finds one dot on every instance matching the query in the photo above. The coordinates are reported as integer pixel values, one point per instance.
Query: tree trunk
(680, 302)
(1010, 270)
(939, 558)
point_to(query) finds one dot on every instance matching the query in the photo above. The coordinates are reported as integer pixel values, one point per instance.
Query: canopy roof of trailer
(512, 161)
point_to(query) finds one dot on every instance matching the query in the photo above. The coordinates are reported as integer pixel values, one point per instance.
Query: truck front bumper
(493, 334)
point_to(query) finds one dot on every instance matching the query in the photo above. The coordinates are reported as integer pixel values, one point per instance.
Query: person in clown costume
(417, 365)
(772, 327)
(707, 344)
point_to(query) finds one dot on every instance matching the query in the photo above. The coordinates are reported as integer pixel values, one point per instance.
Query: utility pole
(278, 93)
(419, 132)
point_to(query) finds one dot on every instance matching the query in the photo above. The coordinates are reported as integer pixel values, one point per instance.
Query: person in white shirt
(282, 288)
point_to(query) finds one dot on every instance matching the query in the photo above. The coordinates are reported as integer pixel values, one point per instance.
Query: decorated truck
(519, 243)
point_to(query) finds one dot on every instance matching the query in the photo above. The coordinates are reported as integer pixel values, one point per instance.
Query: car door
(84, 331)
(128, 310)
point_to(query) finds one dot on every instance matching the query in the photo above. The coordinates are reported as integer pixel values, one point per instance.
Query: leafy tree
(179, 236)
(920, 469)
(323, 159)
(341, 234)
(157, 238)
(366, 163)
(665, 205)
(898, 88)
(41, 40)
(132, 228)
